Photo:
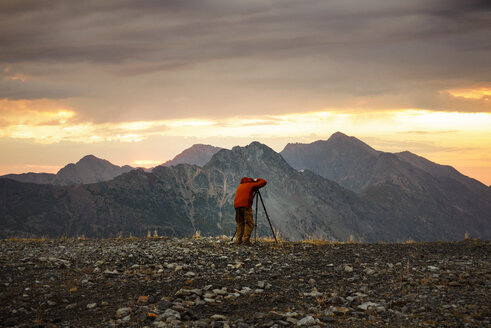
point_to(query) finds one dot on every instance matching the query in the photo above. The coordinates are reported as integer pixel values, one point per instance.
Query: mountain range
(336, 189)
(89, 169)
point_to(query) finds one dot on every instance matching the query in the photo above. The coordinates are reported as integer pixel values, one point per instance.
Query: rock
(348, 268)
(292, 320)
(143, 299)
(338, 300)
(171, 313)
(307, 321)
(291, 314)
(338, 309)
(220, 291)
(218, 317)
(365, 306)
(259, 315)
(190, 274)
(163, 305)
(91, 305)
(111, 273)
(122, 312)
(126, 319)
(313, 293)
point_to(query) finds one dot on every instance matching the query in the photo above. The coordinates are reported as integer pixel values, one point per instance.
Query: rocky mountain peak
(90, 158)
(332, 158)
(255, 159)
(342, 140)
(89, 169)
(90, 161)
(198, 154)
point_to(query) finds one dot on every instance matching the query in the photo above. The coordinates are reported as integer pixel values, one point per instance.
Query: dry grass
(197, 235)
(18, 239)
(316, 241)
(270, 238)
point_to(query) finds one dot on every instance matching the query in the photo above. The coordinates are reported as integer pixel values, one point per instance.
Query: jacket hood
(245, 180)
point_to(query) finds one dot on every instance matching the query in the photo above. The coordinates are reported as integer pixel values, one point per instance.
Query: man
(243, 208)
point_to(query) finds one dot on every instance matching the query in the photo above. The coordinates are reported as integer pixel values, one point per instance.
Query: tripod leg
(265, 211)
(255, 222)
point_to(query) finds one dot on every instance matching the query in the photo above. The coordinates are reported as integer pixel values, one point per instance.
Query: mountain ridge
(182, 199)
(89, 169)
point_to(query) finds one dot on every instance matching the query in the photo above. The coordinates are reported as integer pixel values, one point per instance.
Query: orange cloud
(478, 93)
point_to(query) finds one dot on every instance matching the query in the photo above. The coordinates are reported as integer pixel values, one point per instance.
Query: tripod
(257, 195)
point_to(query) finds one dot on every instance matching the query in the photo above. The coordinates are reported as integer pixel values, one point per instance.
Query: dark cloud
(18, 89)
(158, 59)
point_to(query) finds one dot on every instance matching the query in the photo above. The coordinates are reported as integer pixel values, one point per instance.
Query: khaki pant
(245, 224)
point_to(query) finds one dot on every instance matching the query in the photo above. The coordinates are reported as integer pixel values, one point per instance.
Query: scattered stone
(313, 293)
(71, 306)
(171, 313)
(338, 309)
(111, 273)
(292, 320)
(126, 319)
(122, 312)
(307, 321)
(148, 283)
(143, 299)
(365, 306)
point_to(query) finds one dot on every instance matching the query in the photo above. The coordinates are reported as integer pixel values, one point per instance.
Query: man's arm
(259, 183)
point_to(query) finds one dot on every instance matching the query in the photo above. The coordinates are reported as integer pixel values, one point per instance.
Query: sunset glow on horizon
(164, 76)
(459, 139)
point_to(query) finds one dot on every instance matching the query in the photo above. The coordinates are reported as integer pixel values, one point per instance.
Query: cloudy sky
(136, 82)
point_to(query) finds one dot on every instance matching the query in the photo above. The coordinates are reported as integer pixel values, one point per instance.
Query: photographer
(243, 208)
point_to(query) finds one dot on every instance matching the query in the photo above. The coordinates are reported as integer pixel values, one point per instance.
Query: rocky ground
(208, 282)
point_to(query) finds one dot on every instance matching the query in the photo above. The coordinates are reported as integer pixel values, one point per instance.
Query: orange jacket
(245, 191)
